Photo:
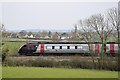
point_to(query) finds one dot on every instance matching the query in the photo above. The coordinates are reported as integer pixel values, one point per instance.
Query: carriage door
(96, 48)
(111, 48)
(42, 48)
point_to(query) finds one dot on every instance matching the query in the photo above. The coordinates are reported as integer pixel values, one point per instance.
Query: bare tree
(3, 32)
(101, 26)
(112, 15)
(2, 28)
(88, 35)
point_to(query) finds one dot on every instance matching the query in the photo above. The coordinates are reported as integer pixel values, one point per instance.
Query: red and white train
(65, 48)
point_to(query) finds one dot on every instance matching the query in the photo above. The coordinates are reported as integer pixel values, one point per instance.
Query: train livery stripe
(42, 48)
(97, 48)
(111, 48)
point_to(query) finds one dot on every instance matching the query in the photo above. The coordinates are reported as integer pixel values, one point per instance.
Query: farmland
(11, 47)
(40, 72)
(18, 39)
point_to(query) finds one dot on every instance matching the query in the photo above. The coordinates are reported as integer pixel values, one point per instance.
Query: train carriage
(65, 48)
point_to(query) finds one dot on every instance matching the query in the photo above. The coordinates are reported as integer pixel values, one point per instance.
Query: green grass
(18, 39)
(12, 47)
(39, 72)
(0, 70)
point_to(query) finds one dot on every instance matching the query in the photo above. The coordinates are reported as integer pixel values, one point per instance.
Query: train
(32, 48)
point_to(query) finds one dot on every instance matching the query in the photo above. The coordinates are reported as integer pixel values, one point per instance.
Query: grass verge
(40, 72)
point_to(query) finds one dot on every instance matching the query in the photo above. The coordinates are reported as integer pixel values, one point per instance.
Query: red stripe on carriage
(111, 48)
(42, 48)
(97, 48)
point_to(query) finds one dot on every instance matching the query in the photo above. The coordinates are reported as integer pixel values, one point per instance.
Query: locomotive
(33, 48)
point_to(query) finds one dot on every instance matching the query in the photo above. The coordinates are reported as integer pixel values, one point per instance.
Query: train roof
(69, 43)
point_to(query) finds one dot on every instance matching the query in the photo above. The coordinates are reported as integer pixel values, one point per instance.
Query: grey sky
(50, 15)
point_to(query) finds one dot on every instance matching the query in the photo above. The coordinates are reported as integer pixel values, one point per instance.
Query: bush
(36, 62)
(108, 64)
(5, 51)
(75, 63)
(42, 63)
(63, 63)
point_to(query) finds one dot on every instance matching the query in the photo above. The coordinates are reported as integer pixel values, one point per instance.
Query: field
(11, 48)
(35, 40)
(18, 39)
(39, 72)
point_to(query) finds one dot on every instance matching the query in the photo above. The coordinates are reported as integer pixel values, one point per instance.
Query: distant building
(13, 35)
(26, 36)
(37, 36)
(46, 37)
(64, 36)
(31, 36)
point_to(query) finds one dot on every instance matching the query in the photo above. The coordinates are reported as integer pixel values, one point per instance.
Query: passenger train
(65, 48)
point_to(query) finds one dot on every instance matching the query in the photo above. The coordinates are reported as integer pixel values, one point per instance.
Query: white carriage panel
(38, 49)
(116, 48)
(48, 47)
(72, 47)
(79, 47)
(93, 47)
(108, 48)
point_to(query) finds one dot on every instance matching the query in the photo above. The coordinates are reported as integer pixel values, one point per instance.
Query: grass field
(39, 72)
(12, 47)
(18, 39)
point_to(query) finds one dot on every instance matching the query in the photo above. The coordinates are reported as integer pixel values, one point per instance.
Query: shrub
(36, 62)
(108, 64)
(63, 63)
(4, 53)
(75, 63)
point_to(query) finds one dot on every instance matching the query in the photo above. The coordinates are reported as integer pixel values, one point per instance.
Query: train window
(79, 47)
(64, 47)
(96, 47)
(41, 47)
(112, 47)
(57, 47)
(68, 47)
(72, 47)
(75, 47)
(53, 47)
(60, 47)
(48, 47)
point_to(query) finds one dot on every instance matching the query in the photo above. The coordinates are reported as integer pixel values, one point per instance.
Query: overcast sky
(50, 15)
